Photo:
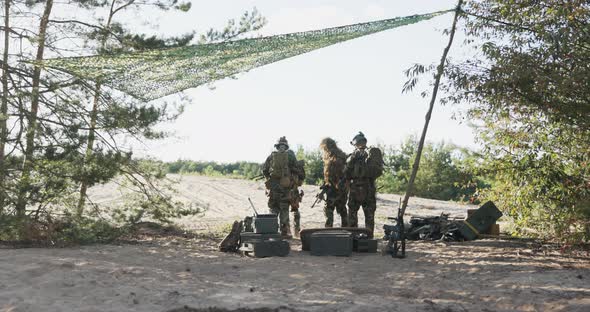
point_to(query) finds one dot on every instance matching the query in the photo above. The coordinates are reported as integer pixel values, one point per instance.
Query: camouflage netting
(152, 74)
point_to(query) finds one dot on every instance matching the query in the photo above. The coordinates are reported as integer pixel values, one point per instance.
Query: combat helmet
(358, 139)
(282, 141)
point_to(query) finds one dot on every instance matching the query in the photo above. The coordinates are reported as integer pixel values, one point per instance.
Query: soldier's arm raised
(266, 167)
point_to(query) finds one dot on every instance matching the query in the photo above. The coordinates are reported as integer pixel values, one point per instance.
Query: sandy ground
(226, 200)
(188, 274)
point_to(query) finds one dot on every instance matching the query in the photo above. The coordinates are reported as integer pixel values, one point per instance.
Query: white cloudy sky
(335, 91)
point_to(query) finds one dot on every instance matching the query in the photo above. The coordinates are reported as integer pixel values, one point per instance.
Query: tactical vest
(279, 168)
(368, 163)
(359, 165)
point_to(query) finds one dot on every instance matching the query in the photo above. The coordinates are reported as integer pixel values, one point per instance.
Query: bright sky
(335, 91)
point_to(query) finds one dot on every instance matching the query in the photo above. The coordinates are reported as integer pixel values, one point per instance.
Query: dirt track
(170, 273)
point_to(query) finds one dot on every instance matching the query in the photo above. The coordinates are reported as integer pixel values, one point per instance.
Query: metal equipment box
(364, 245)
(254, 237)
(480, 221)
(266, 248)
(331, 243)
(305, 234)
(266, 223)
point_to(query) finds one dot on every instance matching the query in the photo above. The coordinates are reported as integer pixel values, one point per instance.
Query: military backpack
(279, 168)
(367, 164)
(375, 163)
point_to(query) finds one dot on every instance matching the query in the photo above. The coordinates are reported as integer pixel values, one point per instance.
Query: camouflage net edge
(148, 75)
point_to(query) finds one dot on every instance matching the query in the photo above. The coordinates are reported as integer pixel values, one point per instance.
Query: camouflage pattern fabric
(231, 242)
(279, 196)
(362, 190)
(336, 200)
(334, 164)
(362, 194)
(154, 73)
(295, 199)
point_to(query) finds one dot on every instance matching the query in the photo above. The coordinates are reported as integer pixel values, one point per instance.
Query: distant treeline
(446, 172)
(242, 169)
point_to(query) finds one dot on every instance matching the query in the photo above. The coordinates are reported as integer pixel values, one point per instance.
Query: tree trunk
(438, 76)
(4, 105)
(32, 116)
(89, 150)
(93, 117)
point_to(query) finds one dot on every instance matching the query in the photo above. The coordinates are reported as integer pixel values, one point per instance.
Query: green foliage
(82, 128)
(243, 169)
(149, 196)
(529, 93)
(314, 166)
(446, 172)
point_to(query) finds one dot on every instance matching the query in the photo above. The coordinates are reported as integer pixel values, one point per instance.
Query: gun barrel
(252, 205)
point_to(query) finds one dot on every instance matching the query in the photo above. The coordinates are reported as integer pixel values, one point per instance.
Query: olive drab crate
(331, 243)
(265, 224)
(263, 239)
(364, 245)
(305, 234)
(251, 237)
(266, 248)
(480, 221)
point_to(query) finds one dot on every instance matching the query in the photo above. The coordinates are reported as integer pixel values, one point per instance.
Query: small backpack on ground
(231, 242)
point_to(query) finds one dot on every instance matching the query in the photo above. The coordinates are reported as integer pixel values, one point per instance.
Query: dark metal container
(364, 245)
(266, 224)
(480, 221)
(305, 234)
(247, 237)
(331, 243)
(266, 248)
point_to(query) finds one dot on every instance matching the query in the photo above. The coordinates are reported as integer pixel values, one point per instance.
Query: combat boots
(286, 231)
(296, 223)
(344, 220)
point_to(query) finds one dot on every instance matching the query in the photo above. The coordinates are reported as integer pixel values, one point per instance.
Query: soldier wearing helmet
(279, 170)
(363, 167)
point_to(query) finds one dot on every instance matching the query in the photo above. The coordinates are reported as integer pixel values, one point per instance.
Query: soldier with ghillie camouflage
(363, 167)
(334, 182)
(279, 169)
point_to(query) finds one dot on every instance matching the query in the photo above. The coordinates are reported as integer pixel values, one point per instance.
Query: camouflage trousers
(336, 201)
(295, 198)
(278, 202)
(362, 195)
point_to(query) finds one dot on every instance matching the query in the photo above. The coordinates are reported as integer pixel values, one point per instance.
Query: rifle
(396, 236)
(252, 205)
(320, 196)
(258, 177)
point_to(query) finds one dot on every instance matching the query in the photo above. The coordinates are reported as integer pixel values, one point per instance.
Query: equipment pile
(259, 236)
(445, 228)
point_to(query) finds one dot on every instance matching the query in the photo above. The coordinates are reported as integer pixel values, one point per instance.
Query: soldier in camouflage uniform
(296, 196)
(278, 169)
(336, 194)
(361, 176)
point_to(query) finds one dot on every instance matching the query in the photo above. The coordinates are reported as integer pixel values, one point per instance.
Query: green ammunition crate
(266, 248)
(266, 223)
(247, 237)
(305, 234)
(331, 243)
(480, 221)
(364, 245)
